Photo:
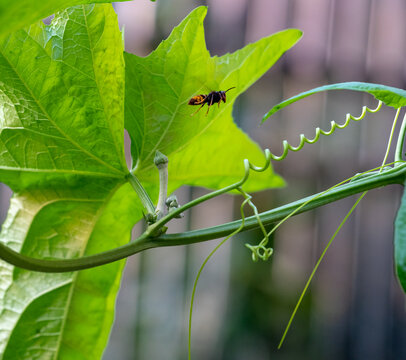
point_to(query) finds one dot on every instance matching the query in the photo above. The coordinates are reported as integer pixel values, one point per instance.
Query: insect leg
(197, 110)
(209, 104)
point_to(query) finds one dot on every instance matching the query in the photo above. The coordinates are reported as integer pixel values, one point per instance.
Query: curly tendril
(258, 251)
(334, 126)
(261, 251)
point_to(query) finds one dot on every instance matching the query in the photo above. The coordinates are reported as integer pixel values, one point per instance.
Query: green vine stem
(394, 175)
(319, 132)
(390, 176)
(149, 238)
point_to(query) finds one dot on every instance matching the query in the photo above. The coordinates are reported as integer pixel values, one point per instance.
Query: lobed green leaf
(389, 95)
(203, 150)
(61, 100)
(61, 141)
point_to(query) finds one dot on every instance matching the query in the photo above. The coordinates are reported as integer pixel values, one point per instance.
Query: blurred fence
(354, 309)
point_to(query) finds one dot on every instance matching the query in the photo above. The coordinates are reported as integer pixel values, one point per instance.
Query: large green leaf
(61, 140)
(19, 13)
(158, 116)
(389, 95)
(61, 92)
(61, 151)
(400, 243)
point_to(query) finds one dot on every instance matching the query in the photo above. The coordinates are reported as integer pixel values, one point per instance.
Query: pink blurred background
(355, 308)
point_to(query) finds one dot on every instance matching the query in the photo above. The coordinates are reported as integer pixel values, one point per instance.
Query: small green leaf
(400, 243)
(19, 13)
(202, 150)
(389, 95)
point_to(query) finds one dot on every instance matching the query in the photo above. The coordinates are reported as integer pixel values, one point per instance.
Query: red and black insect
(209, 99)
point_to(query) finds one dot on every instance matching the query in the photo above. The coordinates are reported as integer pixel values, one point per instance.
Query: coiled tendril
(261, 251)
(334, 126)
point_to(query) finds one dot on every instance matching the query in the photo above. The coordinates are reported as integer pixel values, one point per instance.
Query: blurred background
(354, 308)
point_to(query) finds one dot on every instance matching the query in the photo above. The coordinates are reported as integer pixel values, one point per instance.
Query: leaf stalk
(142, 194)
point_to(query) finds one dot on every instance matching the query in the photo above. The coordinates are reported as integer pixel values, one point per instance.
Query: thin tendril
(258, 251)
(246, 201)
(401, 141)
(316, 267)
(390, 138)
(335, 233)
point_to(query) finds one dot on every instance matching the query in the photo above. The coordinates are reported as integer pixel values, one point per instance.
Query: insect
(209, 99)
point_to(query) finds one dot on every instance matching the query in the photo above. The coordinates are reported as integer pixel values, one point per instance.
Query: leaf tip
(200, 11)
(296, 34)
(270, 113)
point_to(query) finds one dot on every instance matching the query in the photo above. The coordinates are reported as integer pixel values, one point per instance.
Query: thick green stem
(68, 265)
(393, 176)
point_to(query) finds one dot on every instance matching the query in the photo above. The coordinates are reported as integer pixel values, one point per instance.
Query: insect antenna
(230, 89)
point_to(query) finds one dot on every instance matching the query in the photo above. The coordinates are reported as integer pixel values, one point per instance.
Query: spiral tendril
(303, 139)
(261, 251)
